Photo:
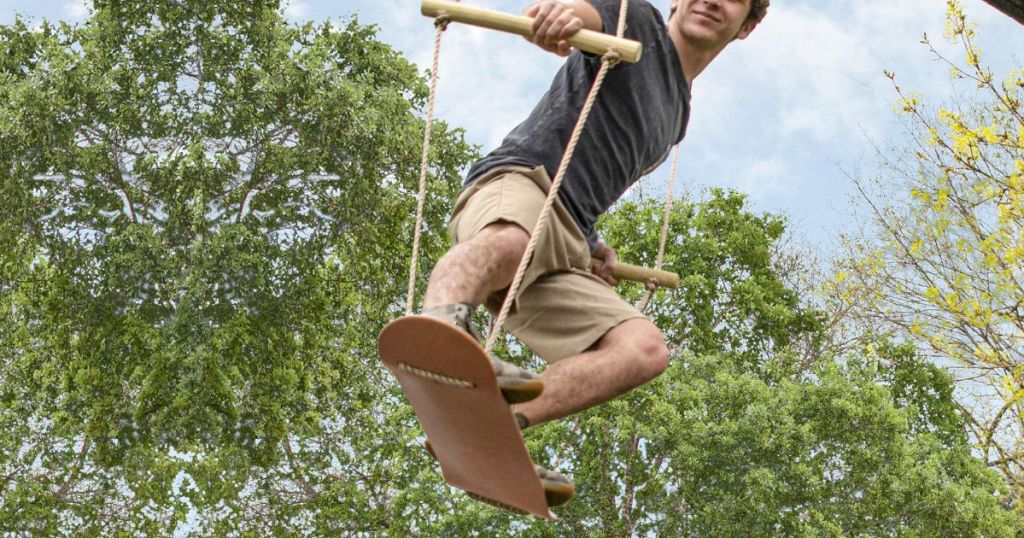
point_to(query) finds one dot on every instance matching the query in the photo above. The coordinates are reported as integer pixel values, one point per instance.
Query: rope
(440, 24)
(651, 286)
(609, 60)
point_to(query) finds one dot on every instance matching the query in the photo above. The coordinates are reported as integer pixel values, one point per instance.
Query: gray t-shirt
(640, 114)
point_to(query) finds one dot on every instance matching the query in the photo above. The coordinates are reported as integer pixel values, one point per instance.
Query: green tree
(943, 265)
(730, 441)
(739, 440)
(207, 226)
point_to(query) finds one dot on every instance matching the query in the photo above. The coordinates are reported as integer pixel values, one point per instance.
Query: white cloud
(489, 81)
(296, 10)
(485, 85)
(819, 73)
(79, 9)
(764, 179)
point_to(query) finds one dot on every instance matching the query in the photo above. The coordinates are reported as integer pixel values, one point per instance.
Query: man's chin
(703, 36)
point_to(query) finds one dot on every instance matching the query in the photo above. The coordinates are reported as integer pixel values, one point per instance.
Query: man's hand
(603, 269)
(554, 22)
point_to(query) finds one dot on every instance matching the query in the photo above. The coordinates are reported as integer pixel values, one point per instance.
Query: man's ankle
(458, 314)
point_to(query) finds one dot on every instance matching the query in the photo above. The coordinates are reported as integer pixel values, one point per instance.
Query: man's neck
(693, 57)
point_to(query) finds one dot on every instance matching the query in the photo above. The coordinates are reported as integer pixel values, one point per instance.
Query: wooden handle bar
(635, 273)
(586, 40)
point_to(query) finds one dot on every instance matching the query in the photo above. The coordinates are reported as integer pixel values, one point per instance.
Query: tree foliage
(209, 223)
(945, 265)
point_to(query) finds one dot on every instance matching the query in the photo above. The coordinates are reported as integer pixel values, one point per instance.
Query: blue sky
(782, 116)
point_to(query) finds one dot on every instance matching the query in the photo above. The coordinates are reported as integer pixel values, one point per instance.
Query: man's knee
(642, 344)
(654, 355)
(508, 239)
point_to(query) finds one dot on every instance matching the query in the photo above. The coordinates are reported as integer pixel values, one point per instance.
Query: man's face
(713, 22)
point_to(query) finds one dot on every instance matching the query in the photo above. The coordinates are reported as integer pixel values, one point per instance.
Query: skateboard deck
(451, 385)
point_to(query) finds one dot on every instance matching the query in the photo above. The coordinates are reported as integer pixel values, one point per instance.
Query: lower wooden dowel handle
(635, 273)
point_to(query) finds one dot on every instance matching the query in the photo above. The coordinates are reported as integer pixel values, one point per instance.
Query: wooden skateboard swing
(452, 387)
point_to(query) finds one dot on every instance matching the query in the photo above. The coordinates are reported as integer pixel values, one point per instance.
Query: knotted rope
(440, 25)
(651, 286)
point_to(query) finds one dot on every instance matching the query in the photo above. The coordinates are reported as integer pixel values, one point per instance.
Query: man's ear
(746, 29)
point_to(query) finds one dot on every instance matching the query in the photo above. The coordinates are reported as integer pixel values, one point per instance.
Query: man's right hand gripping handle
(555, 21)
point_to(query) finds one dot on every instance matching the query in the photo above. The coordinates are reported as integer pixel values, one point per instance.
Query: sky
(783, 116)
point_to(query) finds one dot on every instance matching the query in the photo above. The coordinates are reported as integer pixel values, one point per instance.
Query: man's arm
(555, 21)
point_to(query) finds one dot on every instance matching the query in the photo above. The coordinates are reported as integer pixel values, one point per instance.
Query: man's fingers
(609, 262)
(572, 25)
(552, 25)
(564, 26)
(603, 270)
(538, 12)
(559, 20)
(545, 19)
(606, 275)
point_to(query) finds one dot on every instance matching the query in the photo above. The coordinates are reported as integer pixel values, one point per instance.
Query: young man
(597, 346)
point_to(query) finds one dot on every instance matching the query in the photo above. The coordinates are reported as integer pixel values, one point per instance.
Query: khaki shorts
(562, 309)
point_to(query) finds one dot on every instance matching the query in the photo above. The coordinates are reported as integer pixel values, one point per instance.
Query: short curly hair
(758, 9)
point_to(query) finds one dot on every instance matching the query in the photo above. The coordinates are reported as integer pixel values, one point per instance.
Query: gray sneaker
(517, 385)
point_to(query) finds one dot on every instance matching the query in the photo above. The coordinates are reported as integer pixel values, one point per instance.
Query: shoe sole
(559, 495)
(520, 391)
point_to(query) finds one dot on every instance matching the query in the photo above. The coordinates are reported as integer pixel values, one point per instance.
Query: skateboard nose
(436, 351)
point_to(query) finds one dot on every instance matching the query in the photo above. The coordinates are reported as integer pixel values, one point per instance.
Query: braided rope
(651, 286)
(440, 24)
(609, 60)
(436, 377)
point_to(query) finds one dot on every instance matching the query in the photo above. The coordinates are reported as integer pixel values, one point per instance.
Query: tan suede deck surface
(471, 429)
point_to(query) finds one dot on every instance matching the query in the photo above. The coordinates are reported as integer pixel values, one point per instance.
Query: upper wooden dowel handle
(586, 40)
(635, 273)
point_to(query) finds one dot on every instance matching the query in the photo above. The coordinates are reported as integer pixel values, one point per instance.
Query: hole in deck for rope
(436, 377)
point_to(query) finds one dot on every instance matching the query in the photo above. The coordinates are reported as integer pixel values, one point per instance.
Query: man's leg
(627, 356)
(489, 230)
(468, 274)
(472, 270)
(465, 276)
